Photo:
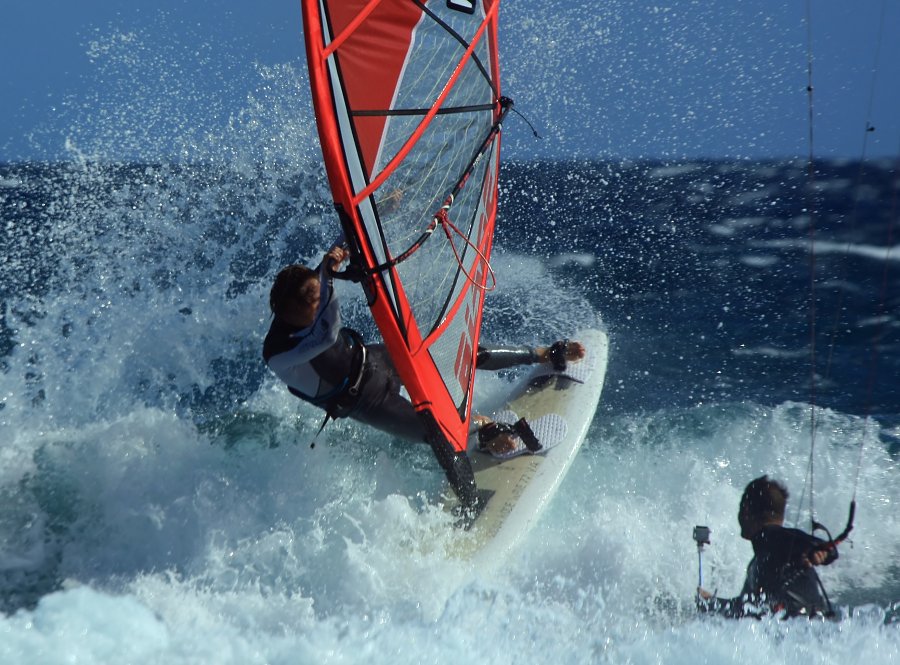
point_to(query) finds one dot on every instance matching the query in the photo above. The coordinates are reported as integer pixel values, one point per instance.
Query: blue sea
(160, 502)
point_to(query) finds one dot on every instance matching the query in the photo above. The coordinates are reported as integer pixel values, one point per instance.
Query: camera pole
(701, 537)
(699, 565)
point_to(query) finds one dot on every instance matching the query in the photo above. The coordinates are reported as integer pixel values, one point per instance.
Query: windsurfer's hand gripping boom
(335, 256)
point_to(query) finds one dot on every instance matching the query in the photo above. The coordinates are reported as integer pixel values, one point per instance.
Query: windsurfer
(329, 366)
(780, 577)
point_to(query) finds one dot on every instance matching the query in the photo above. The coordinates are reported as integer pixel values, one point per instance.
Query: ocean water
(160, 503)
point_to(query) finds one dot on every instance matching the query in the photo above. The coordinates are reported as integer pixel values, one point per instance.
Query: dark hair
(287, 285)
(764, 498)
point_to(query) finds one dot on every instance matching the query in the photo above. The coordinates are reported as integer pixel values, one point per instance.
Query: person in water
(780, 577)
(331, 367)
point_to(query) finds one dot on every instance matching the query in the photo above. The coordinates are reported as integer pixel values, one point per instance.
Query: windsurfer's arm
(335, 256)
(331, 262)
(708, 603)
(497, 358)
(340, 241)
(733, 608)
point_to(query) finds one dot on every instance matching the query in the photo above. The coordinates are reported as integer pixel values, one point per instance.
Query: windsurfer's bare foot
(498, 444)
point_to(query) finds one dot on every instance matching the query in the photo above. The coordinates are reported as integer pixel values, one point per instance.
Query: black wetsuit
(329, 366)
(778, 578)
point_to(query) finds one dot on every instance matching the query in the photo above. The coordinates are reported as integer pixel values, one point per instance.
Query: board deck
(520, 488)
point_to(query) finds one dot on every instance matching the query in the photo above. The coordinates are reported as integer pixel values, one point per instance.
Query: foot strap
(557, 354)
(520, 428)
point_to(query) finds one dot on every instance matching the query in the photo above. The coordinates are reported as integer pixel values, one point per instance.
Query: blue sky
(613, 78)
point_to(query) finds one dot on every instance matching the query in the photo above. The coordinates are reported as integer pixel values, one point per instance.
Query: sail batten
(407, 104)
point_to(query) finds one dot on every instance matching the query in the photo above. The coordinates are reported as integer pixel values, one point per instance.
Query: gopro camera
(701, 535)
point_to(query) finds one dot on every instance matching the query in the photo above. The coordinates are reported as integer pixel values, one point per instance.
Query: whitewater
(159, 499)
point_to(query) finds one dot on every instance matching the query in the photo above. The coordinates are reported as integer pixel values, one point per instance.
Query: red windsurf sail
(408, 107)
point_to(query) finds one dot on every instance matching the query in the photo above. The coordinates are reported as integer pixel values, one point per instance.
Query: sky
(619, 79)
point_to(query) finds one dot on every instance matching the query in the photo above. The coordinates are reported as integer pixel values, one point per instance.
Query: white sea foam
(757, 261)
(582, 259)
(771, 352)
(730, 227)
(826, 247)
(193, 553)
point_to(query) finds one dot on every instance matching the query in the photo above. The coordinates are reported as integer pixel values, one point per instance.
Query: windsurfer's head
(294, 297)
(762, 504)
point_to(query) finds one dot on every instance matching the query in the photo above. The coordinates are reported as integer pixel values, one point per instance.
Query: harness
(340, 401)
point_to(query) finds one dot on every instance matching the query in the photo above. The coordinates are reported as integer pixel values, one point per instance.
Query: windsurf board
(560, 406)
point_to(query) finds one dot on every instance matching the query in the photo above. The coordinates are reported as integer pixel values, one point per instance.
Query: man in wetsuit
(780, 577)
(329, 366)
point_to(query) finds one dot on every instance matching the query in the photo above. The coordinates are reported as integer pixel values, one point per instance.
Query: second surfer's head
(295, 294)
(762, 503)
